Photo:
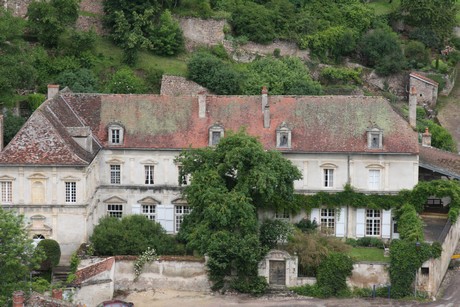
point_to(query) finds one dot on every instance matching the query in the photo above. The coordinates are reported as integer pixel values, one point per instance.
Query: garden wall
(366, 275)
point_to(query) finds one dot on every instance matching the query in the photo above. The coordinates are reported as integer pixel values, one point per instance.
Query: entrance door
(277, 273)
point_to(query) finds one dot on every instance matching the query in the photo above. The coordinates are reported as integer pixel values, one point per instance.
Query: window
(149, 174)
(115, 135)
(6, 187)
(283, 136)
(183, 179)
(283, 214)
(374, 138)
(70, 192)
(216, 132)
(374, 179)
(328, 178)
(327, 219)
(149, 211)
(115, 210)
(115, 174)
(180, 212)
(373, 221)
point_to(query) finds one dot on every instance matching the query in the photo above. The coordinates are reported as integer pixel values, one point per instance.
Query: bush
(369, 242)
(417, 54)
(333, 272)
(440, 66)
(440, 136)
(341, 75)
(255, 285)
(273, 232)
(131, 235)
(52, 253)
(306, 225)
(125, 81)
(254, 21)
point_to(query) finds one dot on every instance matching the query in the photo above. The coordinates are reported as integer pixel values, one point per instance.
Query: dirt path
(449, 115)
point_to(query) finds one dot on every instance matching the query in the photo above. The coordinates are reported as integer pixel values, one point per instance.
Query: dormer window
(283, 136)
(216, 132)
(374, 138)
(115, 135)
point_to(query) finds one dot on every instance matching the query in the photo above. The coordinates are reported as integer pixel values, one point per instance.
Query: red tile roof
(441, 161)
(423, 78)
(318, 123)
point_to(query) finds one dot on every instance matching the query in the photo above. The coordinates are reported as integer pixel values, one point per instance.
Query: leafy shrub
(417, 54)
(254, 21)
(309, 290)
(131, 235)
(341, 75)
(333, 272)
(255, 285)
(79, 81)
(410, 225)
(339, 89)
(166, 37)
(306, 225)
(369, 242)
(273, 232)
(440, 136)
(124, 81)
(52, 252)
(440, 66)
(40, 285)
(35, 100)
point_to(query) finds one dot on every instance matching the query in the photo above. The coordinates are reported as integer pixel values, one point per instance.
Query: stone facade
(17, 7)
(427, 89)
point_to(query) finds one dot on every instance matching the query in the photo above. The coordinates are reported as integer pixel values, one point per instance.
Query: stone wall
(198, 32)
(426, 89)
(18, 7)
(177, 86)
(366, 275)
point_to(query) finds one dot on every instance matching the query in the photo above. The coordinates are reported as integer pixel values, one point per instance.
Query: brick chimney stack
(413, 107)
(202, 104)
(18, 299)
(426, 138)
(264, 98)
(1, 132)
(53, 90)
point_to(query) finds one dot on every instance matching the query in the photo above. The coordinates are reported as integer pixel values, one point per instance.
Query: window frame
(283, 131)
(327, 220)
(180, 211)
(6, 187)
(114, 179)
(115, 210)
(328, 177)
(214, 129)
(70, 192)
(374, 181)
(373, 223)
(146, 210)
(115, 135)
(374, 133)
(149, 174)
(282, 214)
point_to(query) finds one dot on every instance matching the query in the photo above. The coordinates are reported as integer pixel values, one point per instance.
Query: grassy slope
(368, 254)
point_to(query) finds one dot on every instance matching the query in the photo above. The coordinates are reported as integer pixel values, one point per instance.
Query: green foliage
(12, 124)
(40, 285)
(79, 81)
(366, 242)
(17, 255)
(438, 78)
(426, 36)
(341, 75)
(410, 224)
(440, 66)
(148, 255)
(131, 235)
(440, 136)
(35, 100)
(306, 225)
(214, 74)
(381, 49)
(229, 182)
(285, 76)
(254, 21)
(124, 81)
(273, 232)
(309, 290)
(333, 272)
(11, 28)
(255, 285)
(52, 252)
(167, 38)
(406, 257)
(418, 56)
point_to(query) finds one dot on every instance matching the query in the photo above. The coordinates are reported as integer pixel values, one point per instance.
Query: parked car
(115, 303)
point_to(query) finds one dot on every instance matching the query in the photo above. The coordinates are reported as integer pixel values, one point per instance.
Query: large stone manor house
(80, 157)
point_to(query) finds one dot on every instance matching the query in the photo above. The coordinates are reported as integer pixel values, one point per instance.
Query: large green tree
(17, 256)
(229, 183)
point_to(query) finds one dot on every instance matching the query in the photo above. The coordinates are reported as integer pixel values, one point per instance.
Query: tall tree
(17, 256)
(229, 183)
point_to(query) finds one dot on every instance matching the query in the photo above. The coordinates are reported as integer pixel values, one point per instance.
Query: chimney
(202, 104)
(18, 299)
(53, 90)
(413, 107)
(426, 138)
(56, 294)
(1, 132)
(267, 116)
(264, 98)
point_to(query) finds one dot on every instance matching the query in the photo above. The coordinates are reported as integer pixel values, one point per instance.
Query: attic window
(216, 132)
(115, 135)
(283, 136)
(374, 138)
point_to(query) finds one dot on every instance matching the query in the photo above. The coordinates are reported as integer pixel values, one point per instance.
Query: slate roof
(318, 123)
(440, 161)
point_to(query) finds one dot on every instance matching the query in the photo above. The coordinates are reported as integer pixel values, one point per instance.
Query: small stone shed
(426, 88)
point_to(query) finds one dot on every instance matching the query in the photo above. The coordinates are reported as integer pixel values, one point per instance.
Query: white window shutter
(360, 222)
(340, 225)
(315, 216)
(386, 224)
(136, 209)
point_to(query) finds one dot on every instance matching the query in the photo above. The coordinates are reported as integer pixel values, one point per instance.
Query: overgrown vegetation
(52, 252)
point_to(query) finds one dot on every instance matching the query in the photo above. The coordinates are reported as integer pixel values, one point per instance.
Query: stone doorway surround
(276, 260)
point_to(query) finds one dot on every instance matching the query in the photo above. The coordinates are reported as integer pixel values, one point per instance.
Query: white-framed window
(149, 211)
(7, 191)
(115, 210)
(216, 132)
(327, 220)
(374, 138)
(149, 171)
(70, 192)
(115, 135)
(180, 212)
(283, 136)
(115, 174)
(328, 177)
(374, 179)
(373, 222)
(282, 214)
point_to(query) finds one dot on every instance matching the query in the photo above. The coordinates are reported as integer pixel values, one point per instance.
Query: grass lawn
(368, 254)
(382, 7)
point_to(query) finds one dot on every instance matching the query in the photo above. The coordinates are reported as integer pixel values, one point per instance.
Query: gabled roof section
(44, 139)
(424, 79)
(319, 123)
(440, 161)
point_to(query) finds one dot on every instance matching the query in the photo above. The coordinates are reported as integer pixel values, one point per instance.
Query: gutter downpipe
(348, 182)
